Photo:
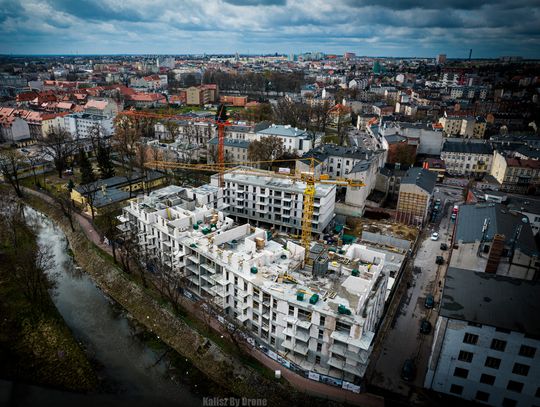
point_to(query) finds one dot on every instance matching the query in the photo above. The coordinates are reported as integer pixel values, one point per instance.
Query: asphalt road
(404, 340)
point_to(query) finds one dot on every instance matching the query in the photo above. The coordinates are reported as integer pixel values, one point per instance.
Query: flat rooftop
(269, 179)
(491, 299)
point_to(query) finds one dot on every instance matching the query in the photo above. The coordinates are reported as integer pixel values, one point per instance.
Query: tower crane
(309, 177)
(219, 122)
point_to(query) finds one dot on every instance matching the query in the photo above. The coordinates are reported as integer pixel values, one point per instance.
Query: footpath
(219, 366)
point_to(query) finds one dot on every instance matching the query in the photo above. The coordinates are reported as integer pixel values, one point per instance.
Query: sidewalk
(301, 383)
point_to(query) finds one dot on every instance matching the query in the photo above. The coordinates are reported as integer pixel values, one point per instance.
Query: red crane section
(220, 123)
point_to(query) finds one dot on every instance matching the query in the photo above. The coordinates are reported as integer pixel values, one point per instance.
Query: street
(403, 340)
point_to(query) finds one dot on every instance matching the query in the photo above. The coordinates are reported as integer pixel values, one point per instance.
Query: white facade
(294, 140)
(453, 348)
(14, 130)
(275, 202)
(468, 161)
(80, 125)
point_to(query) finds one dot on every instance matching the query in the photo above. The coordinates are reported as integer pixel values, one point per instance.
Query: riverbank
(36, 346)
(226, 370)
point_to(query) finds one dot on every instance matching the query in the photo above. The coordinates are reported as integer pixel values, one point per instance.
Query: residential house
(295, 140)
(202, 94)
(146, 100)
(415, 196)
(486, 347)
(514, 174)
(464, 158)
(106, 194)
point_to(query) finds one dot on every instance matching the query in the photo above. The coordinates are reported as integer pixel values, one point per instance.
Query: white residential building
(323, 325)
(80, 125)
(486, 345)
(348, 163)
(465, 158)
(274, 202)
(295, 140)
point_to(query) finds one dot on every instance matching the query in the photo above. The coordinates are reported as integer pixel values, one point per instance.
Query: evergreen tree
(104, 162)
(87, 172)
(221, 114)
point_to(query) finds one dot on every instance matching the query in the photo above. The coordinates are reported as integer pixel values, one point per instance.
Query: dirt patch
(358, 225)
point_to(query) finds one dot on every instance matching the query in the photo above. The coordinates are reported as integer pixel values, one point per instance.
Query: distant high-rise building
(441, 59)
(349, 55)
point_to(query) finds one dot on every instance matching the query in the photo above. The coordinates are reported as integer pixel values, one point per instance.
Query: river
(131, 373)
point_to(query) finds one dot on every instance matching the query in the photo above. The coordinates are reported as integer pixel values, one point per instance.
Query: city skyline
(260, 27)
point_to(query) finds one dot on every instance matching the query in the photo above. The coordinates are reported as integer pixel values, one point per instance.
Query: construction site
(316, 307)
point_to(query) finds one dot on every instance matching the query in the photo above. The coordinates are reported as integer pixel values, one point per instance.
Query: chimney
(495, 253)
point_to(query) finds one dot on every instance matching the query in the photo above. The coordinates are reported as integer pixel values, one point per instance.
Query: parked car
(408, 371)
(429, 302)
(444, 246)
(434, 236)
(439, 260)
(425, 327)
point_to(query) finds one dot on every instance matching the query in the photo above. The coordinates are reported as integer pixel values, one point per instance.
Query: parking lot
(404, 340)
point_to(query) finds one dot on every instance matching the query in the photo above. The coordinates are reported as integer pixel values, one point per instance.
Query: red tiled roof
(516, 162)
(146, 97)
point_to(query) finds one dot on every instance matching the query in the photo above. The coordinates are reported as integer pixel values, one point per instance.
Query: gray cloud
(368, 27)
(256, 2)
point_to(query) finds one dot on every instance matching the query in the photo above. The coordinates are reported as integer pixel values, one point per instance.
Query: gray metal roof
(421, 177)
(467, 148)
(471, 219)
(110, 197)
(284, 131)
(324, 151)
(490, 299)
(231, 142)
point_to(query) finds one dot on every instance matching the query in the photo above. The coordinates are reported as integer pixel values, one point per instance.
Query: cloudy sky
(368, 27)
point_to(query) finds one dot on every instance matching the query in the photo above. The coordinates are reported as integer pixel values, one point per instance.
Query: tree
(104, 162)
(94, 134)
(60, 146)
(221, 114)
(172, 128)
(23, 261)
(169, 282)
(190, 80)
(87, 171)
(125, 140)
(258, 113)
(34, 160)
(89, 191)
(66, 206)
(266, 149)
(405, 154)
(11, 162)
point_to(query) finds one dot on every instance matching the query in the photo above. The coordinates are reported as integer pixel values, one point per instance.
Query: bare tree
(95, 134)
(11, 162)
(169, 282)
(266, 149)
(66, 206)
(90, 191)
(172, 128)
(34, 160)
(125, 141)
(59, 144)
(23, 261)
